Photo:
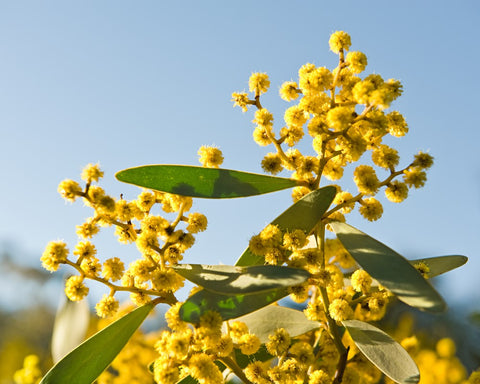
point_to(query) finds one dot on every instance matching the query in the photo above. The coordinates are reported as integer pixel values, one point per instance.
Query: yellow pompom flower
(314, 80)
(396, 191)
(197, 222)
(340, 118)
(92, 173)
(356, 61)
(166, 371)
(140, 298)
(30, 373)
(294, 240)
(249, 344)
(397, 126)
(414, 177)
(145, 201)
(319, 377)
(289, 91)
(258, 83)
(295, 116)
(371, 209)
(291, 135)
(113, 269)
(385, 157)
(339, 41)
(91, 266)
(56, 253)
(241, 100)
(361, 281)
(366, 179)
(303, 353)
(446, 347)
(344, 198)
(107, 306)
(167, 280)
(256, 373)
(279, 342)
(202, 368)
(423, 160)
(263, 118)
(340, 310)
(75, 289)
(272, 163)
(210, 157)
(261, 135)
(88, 229)
(237, 329)
(69, 189)
(85, 249)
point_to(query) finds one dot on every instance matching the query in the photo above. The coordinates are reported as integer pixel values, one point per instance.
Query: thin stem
(230, 363)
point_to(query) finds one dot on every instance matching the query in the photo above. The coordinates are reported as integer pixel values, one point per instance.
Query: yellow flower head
(414, 177)
(339, 41)
(55, 254)
(423, 160)
(241, 100)
(272, 163)
(295, 239)
(371, 209)
(289, 91)
(113, 269)
(366, 179)
(361, 281)
(196, 222)
(258, 83)
(210, 157)
(295, 116)
(202, 368)
(356, 61)
(396, 191)
(261, 135)
(278, 343)
(107, 306)
(249, 344)
(88, 229)
(385, 157)
(91, 173)
(75, 289)
(69, 189)
(397, 126)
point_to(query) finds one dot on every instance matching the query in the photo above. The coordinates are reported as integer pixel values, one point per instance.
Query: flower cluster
(346, 116)
(160, 241)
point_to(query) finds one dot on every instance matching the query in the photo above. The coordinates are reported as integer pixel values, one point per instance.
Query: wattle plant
(232, 322)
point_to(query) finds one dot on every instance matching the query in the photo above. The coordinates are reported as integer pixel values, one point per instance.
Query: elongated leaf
(384, 352)
(266, 321)
(70, 327)
(85, 363)
(195, 181)
(390, 269)
(304, 214)
(229, 306)
(441, 264)
(230, 280)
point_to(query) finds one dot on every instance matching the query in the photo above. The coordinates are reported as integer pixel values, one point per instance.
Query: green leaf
(85, 363)
(384, 352)
(266, 321)
(70, 327)
(230, 280)
(304, 214)
(229, 306)
(441, 264)
(195, 181)
(390, 269)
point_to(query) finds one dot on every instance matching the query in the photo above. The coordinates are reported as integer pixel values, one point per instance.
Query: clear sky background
(127, 83)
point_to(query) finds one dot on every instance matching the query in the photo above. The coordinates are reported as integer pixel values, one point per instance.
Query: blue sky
(129, 83)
